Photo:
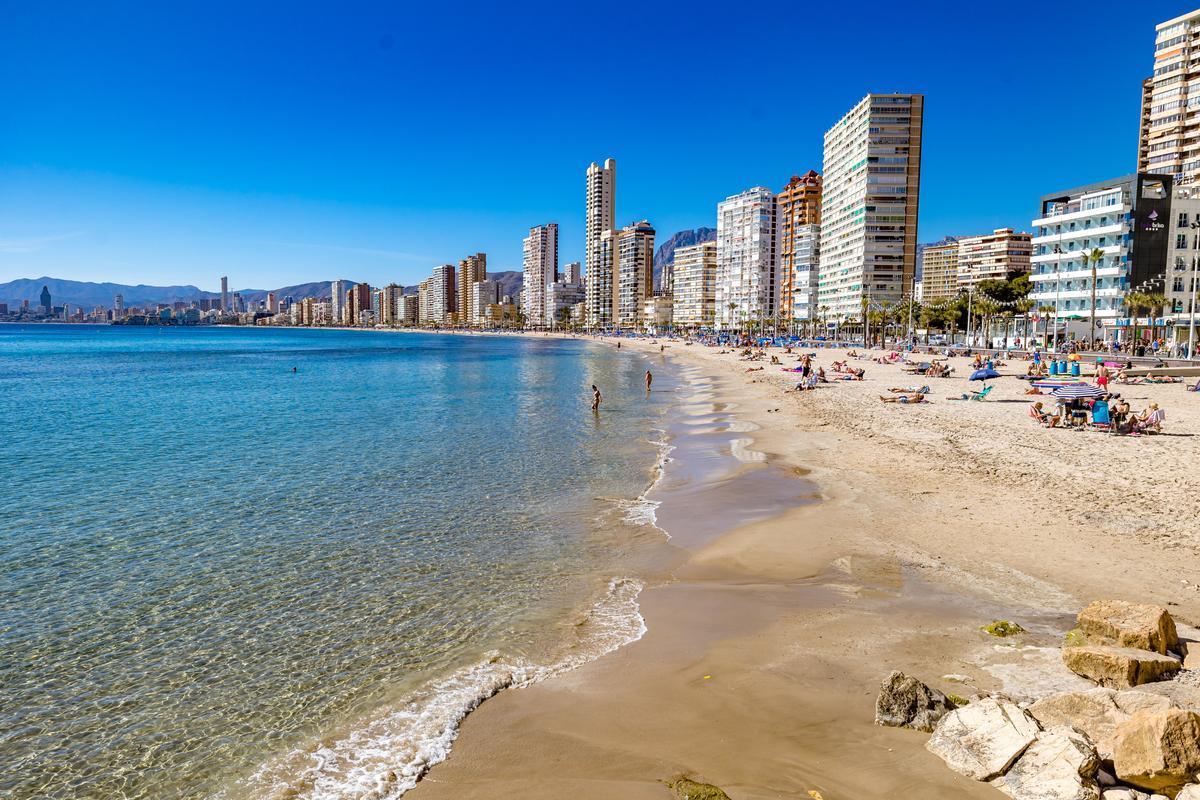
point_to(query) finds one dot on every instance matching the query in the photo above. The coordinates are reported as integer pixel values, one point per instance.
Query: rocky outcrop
(983, 739)
(1158, 751)
(1189, 792)
(905, 702)
(1060, 765)
(1144, 627)
(1095, 713)
(1119, 667)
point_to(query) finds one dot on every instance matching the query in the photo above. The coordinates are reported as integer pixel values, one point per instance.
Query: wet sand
(818, 554)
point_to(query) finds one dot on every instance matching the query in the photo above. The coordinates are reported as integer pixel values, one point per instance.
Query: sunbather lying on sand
(915, 397)
(909, 389)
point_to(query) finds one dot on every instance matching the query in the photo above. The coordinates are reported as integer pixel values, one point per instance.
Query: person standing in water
(596, 398)
(649, 380)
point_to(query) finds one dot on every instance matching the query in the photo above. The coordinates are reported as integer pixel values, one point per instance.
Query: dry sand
(765, 649)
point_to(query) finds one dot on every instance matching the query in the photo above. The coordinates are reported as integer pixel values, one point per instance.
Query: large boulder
(1136, 625)
(1059, 765)
(1189, 792)
(1123, 793)
(1118, 667)
(983, 739)
(1158, 751)
(1095, 713)
(1181, 695)
(905, 702)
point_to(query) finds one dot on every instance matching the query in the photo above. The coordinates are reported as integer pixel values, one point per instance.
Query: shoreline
(759, 668)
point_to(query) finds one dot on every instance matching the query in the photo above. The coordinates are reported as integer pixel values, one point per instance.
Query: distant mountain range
(666, 251)
(87, 294)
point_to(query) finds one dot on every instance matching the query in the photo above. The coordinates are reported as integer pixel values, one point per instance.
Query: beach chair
(982, 395)
(1101, 419)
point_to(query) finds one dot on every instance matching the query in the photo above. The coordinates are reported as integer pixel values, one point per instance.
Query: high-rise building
(939, 271)
(694, 285)
(442, 304)
(1169, 134)
(483, 294)
(358, 302)
(389, 304)
(471, 270)
(541, 270)
(408, 309)
(799, 245)
(337, 301)
(47, 305)
(425, 301)
(993, 256)
(872, 177)
(118, 307)
(1127, 220)
(271, 307)
(601, 217)
(573, 273)
(747, 287)
(635, 272)
(225, 307)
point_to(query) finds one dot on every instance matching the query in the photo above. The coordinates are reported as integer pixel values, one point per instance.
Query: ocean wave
(387, 756)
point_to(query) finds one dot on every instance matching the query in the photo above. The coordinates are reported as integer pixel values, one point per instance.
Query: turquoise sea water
(222, 578)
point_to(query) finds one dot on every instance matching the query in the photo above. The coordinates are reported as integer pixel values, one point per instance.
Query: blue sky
(284, 143)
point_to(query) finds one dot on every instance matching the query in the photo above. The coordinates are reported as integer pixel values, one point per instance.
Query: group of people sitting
(1109, 412)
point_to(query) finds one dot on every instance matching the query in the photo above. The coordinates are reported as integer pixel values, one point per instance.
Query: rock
(1189, 792)
(1123, 793)
(983, 739)
(1144, 627)
(1181, 695)
(1095, 713)
(1118, 667)
(1104, 779)
(905, 702)
(1158, 751)
(1059, 765)
(1002, 628)
(688, 789)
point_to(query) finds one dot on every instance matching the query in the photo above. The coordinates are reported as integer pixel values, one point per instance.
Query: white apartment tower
(694, 285)
(1169, 135)
(541, 270)
(601, 217)
(872, 177)
(442, 306)
(747, 287)
(225, 294)
(337, 301)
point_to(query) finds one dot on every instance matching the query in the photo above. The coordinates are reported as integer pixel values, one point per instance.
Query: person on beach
(649, 380)
(915, 397)
(596, 398)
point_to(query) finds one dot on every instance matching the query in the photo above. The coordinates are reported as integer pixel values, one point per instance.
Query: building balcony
(1060, 218)
(1051, 239)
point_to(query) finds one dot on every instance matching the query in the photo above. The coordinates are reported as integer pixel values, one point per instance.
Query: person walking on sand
(596, 398)
(649, 380)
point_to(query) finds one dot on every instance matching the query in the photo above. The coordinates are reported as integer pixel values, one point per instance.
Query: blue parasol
(983, 375)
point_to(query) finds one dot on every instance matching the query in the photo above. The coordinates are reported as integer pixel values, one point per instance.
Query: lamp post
(970, 312)
(1058, 251)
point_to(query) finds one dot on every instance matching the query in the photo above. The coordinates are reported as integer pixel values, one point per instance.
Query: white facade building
(802, 305)
(541, 270)
(747, 287)
(694, 285)
(601, 218)
(337, 301)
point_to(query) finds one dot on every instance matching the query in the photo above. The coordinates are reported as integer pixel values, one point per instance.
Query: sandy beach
(908, 528)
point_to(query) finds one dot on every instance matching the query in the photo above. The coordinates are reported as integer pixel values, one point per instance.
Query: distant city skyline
(163, 147)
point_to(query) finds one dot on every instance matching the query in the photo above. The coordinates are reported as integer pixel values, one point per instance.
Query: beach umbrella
(1077, 391)
(983, 375)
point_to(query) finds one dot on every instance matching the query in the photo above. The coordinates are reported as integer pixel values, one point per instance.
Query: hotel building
(747, 287)
(1169, 135)
(872, 177)
(471, 270)
(483, 294)
(993, 256)
(601, 217)
(408, 309)
(799, 245)
(695, 285)
(631, 252)
(337, 301)
(1127, 219)
(442, 305)
(939, 270)
(540, 270)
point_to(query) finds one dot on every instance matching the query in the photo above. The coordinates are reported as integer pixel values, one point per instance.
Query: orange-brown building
(799, 207)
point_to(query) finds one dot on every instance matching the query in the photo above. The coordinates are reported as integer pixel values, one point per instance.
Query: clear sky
(283, 143)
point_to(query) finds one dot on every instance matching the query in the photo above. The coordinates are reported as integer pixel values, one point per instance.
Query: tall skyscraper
(337, 301)
(541, 270)
(747, 287)
(939, 273)
(118, 307)
(47, 305)
(572, 273)
(635, 272)
(601, 217)
(1167, 143)
(694, 284)
(869, 205)
(225, 307)
(471, 270)
(442, 304)
(799, 245)
(359, 300)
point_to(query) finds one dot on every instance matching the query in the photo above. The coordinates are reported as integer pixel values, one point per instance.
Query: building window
(1181, 241)
(1183, 219)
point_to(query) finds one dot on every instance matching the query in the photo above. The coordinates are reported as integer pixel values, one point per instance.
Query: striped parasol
(1078, 390)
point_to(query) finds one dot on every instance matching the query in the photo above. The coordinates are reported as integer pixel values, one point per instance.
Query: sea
(267, 563)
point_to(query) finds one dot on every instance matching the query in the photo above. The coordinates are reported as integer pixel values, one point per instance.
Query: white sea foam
(388, 755)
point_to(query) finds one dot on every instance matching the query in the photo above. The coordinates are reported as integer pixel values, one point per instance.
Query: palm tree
(1154, 303)
(986, 309)
(1024, 306)
(1046, 311)
(1093, 258)
(1135, 302)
